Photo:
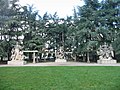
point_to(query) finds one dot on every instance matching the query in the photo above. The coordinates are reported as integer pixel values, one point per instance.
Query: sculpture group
(17, 53)
(106, 54)
(17, 57)
(60, 55)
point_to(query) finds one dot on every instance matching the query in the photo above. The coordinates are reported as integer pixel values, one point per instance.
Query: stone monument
(60, 55)
(17, 57)
(105, 53)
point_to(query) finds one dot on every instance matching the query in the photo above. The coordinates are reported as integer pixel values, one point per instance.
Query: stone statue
(105, 52)
(17, 53)
(60, 53)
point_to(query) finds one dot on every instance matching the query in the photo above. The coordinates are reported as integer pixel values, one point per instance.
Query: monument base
(60, 60)
(17, 62)
(106, 61)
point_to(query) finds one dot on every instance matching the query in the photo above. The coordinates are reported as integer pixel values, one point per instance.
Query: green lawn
(60, 78)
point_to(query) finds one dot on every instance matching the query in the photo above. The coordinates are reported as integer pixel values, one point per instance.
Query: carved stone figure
(60, 55)
(17, 53)
(106, 54)
(17, 56)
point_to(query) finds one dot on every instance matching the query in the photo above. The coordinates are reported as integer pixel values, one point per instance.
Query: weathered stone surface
(17, 62)
(105, 53)
(17, 56)
(60, 60)
(17, 53)
(106, 61)
(60, 55)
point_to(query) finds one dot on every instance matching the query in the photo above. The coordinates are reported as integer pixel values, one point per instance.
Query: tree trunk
(84, 57)
(75, 58)
(1, 58)
(88, 60)
(63, 43)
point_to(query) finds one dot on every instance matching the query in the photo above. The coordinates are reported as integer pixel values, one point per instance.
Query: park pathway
(63, 64)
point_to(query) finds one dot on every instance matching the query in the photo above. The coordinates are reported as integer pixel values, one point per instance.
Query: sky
(62, 7)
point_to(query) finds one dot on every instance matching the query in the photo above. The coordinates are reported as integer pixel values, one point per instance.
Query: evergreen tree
(87, 24)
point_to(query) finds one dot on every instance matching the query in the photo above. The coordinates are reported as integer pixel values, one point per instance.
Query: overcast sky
(62, 7)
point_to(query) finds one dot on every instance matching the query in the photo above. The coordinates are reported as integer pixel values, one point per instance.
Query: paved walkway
(64, 64)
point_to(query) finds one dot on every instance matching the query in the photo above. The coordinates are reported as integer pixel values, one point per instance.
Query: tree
(87, 28)
(110, 20)
(32, 37)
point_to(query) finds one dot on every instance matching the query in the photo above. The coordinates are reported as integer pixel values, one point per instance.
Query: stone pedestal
(17, 62)
(60, 60)
(107, 61)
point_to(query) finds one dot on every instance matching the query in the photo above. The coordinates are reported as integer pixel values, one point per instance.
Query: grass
(60, 78)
